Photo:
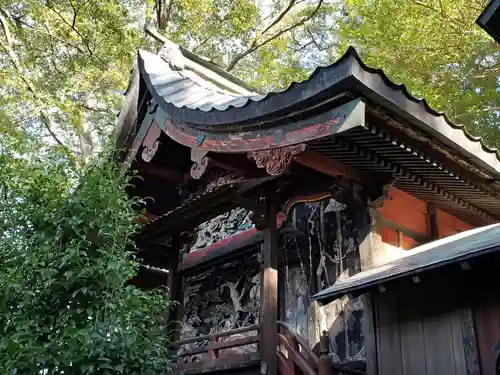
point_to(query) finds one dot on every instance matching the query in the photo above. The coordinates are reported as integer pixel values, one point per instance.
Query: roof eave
(350, 73)
(484, 19)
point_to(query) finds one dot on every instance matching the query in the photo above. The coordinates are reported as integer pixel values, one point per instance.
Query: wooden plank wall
(487, 319)
(414, 341)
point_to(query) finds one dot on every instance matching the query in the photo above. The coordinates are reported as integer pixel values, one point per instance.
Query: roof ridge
(203, 62)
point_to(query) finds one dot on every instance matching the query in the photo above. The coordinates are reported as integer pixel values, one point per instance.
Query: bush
(66, 255)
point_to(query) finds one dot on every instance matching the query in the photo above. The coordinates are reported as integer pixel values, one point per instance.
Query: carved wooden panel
(221, 298)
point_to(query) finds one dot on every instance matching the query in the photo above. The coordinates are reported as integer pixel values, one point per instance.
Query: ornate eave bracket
(151, 143)
(200, 162)
(276, 160)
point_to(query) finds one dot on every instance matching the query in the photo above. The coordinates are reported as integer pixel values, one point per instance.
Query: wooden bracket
(200, 162)
(151, 143)
(276, 160)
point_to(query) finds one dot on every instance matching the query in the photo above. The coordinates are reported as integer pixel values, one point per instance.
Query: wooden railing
(295, 357)
(215, 362)
(301, 360)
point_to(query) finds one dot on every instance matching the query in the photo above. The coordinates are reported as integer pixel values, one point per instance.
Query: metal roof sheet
(186, 88)
(197, 96)
(447, 250)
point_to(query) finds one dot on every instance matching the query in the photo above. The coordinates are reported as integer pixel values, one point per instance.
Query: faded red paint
(200, 253)
(252, 144)
(449, 224)
(405, 209)
(412, 213)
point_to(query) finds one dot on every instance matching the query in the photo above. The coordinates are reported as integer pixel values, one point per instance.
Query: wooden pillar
(368, 326)
(433, 222)
(269, 293)
(175, 290)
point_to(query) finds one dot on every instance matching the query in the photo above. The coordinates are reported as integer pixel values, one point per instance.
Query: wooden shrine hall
(258, 204)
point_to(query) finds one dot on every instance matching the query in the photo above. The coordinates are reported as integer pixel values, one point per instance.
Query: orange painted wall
(448, 224)
(406, 210)
(390, 237)
(411, 212)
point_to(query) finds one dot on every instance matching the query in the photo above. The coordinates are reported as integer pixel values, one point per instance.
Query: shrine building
(339, 226)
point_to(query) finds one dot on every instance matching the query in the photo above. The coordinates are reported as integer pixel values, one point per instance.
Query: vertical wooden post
(325, 361)
(368, 326)
(433, 222)
(175, 289)
(269, 293)
(213, 354)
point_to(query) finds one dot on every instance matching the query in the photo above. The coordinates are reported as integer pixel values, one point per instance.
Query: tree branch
(487, 109)
(159, 24)
(169, 12)
(280, 16)
(20, 22)
(256, 44)
(95, 109)
(85, 42)
(7, 46)
(75, 12)
(453, 22)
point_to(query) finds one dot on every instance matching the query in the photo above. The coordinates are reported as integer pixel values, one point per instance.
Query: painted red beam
(223, 247)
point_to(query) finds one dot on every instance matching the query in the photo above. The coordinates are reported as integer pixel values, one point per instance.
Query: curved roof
(200, 97)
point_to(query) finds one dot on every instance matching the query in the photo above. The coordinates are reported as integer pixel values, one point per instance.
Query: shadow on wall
(327, 249)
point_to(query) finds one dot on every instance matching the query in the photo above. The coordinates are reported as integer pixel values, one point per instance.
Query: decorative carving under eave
(276, 160)
(148, 153)
(151, 143)
(200, 163)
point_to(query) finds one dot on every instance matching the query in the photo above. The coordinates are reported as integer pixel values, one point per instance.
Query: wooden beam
(368, 324)
(162, 172)
(236, 163)
(269, 292)
(392, 225)
(220, 249)
(250, 204)
(334, 168)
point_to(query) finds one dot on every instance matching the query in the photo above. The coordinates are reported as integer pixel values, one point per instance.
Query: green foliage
(260, 43)
(64, 65)
(66, 257)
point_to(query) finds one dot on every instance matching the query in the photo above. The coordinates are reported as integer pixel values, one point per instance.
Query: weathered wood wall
(423, 332)
(486, 311)
(487, 319)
